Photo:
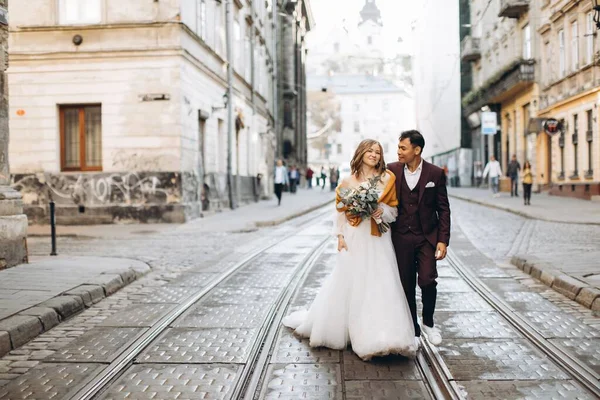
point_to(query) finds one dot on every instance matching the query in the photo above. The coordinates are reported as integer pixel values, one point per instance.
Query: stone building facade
(13, 223)
(570, 93)
(119, 108)
(534, 61)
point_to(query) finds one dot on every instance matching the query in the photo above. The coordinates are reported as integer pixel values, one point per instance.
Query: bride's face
(372, 156)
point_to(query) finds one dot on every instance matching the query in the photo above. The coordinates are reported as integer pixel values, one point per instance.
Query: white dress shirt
(412, 178)
(492, 168)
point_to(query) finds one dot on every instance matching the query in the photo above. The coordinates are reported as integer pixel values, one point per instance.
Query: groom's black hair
(415, 137)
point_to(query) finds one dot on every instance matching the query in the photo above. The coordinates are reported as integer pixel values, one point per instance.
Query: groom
(421, 232)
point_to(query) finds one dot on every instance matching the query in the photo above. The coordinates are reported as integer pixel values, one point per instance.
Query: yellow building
(504, 50)
(569, 162)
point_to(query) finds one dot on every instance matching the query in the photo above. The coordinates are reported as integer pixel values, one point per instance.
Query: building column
(13, 223)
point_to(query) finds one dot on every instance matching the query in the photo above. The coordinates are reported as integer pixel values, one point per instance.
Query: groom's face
(407, 152)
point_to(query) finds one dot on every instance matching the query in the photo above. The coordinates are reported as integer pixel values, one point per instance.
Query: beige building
(570, 93)
(503, 49)
(118, 108)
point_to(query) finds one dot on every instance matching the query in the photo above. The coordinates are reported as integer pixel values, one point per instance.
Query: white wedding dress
(362, 302)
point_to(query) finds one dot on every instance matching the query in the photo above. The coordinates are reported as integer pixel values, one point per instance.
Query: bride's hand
(342, 243)
(377, 213)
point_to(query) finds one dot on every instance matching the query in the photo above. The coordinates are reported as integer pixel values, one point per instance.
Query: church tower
(370, 24)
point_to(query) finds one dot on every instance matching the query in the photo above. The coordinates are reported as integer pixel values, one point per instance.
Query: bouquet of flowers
(362, 201)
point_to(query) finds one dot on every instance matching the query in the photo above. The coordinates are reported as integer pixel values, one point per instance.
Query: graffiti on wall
(128, 188)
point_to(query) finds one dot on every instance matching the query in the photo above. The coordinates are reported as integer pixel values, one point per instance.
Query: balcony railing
(470, 49)
(513, 8)
(519, 72)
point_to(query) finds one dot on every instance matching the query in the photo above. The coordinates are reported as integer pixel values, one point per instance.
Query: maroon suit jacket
(434, 209)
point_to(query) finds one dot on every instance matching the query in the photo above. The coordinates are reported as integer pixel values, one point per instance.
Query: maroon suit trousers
(416, 257)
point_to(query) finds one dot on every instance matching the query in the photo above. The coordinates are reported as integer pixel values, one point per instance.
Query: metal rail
(580, 372)
(97, 384)
(437, 377)
(254, 371)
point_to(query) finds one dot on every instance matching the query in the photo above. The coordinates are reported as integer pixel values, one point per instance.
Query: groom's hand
(440, 252)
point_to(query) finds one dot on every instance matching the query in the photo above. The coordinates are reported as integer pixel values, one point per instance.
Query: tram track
(253, 373)
(95, 386)
(575, 368)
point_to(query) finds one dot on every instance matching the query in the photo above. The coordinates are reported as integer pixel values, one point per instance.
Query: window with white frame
(574, 46)
(248, 54)
(589, 38)
(201, 18)
(527, 42)
(237, 46)
(79, 12)
(548, 66)
(561, 54)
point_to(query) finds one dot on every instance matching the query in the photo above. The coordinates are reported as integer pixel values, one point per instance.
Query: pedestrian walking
(513, 173)
(323, 178)
(494, 170)
(281, 179)
(309, 176)
(527, 183)
(294, 176)
(333, 178)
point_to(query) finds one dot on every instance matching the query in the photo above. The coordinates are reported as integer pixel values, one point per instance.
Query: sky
(397, 17)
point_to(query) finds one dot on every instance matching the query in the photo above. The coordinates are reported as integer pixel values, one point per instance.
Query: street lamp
(596, 4)
(225, 101)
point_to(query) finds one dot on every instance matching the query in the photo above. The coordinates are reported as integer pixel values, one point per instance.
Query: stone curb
(586, 295)
(26, 325)
(519, 213)
(263, 224)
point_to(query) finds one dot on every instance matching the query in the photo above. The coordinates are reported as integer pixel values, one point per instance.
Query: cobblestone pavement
(203, 353)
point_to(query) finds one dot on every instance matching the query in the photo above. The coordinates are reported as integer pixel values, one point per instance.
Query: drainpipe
(275, 6)
(230, 122)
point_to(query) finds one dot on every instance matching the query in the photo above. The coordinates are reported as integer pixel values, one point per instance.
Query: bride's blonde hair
(359, 154)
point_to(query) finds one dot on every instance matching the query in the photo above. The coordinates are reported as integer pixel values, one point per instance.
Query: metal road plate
(446, 272)
(181, 382)
(97, 345)
(305, 297)
(453, 285)
(496, 359)
(526, 301)
(186, 346)
(461, 302)
(223, 316)
(47, 381)
(242, 295)
(465, 325)
(289, 348)
(264, 267)
(262, 280)
(388, 390)
(138, 315)
(586, 350)
(505, 285)
(560, 390)
(391, 368)
(559, 325)
(490, 272)
(162, 294)
(303, 381)
(197, 280)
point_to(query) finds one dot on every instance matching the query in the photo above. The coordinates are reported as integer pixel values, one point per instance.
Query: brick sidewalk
(543, 206)
(36, 297)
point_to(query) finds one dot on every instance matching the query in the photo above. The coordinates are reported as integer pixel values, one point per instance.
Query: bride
(362, 302)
